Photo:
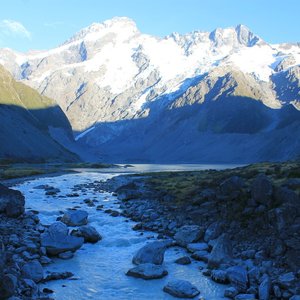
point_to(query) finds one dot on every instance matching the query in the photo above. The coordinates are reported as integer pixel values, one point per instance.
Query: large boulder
(89, 233)
(264, 288)
(262, 189)
(152, 253)
(12, 202)
(238, 277)
(33, 270)
(188, 234)
(221, 252)
(56, 239)
(181, 289)
(75, 218)
(232, 186)
(8, 286)
(213, 231)
(148, 271)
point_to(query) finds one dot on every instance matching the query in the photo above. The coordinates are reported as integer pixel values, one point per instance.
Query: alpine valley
(225, 96)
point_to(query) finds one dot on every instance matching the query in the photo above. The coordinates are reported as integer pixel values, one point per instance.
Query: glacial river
(99, 269)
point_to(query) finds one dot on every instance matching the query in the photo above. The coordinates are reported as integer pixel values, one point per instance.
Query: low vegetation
(183, 186)
(11, 169)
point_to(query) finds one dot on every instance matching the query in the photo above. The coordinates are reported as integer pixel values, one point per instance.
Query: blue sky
(44, 24)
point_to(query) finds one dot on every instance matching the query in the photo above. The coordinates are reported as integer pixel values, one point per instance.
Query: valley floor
(240, 225)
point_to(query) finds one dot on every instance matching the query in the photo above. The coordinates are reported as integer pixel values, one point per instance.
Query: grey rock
(181, 289)
(184, 260)
(245, 297)
(248, 254)
(45, 260)
(262, 189)
(232, 185)
(264, 288)
(56, 239)
(238, 277)
(201, 256)
(11, 202)
(148, 271)
(213, 231)
(221, 252)
(152, 253)
(75, 218)
(193, 247)
(286, 280)
(66, 255)
(57, 276)
(33, 270)
(89, 233)
(277, 291)
(188, 234)
(8, 286)
(284, 195)
(230, 292)
(219, 276)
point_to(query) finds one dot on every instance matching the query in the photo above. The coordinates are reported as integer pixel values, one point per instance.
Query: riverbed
(99, 269)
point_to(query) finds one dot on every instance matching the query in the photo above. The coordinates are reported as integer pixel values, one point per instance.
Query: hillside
(27, 120)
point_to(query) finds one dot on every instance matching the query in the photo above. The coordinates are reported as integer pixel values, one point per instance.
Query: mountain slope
(26, 121)
(112, 80)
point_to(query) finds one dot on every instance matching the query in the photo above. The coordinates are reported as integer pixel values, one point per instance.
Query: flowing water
(100, 268)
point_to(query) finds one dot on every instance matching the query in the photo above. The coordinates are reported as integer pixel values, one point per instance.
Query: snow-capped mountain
(110, 77)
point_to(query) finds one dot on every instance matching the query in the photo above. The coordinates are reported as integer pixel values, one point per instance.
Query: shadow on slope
(229, 130)
(26, 134)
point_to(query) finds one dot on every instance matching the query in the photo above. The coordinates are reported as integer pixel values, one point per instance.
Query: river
(100, 268)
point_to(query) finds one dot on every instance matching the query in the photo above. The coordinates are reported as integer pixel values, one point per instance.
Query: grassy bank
(185, 186)
(12, 170)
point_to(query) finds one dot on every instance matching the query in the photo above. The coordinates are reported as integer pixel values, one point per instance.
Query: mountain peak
(115, 25)
(240, 34)
(246, 36)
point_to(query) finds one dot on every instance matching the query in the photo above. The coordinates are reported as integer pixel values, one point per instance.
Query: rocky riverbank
(27, 245)
(244, 223)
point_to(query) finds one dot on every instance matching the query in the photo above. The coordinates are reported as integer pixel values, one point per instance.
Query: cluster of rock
(246, 231)
(149, 260)
(26, 245)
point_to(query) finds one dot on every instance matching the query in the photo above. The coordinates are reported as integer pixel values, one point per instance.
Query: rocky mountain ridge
(109, 77)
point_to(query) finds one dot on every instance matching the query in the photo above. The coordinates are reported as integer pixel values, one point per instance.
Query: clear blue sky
(44, 24)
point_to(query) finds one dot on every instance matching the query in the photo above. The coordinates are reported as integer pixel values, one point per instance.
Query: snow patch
(81, 135)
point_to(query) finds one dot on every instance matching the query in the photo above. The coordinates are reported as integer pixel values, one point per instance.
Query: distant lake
(144, 168)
